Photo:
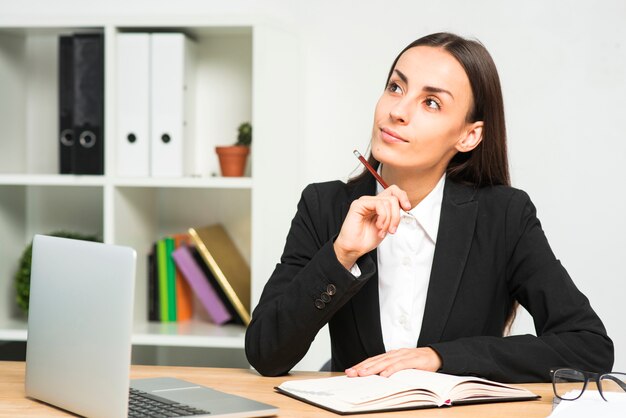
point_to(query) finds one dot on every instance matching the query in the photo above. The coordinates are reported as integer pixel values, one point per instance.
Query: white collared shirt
(405, 260)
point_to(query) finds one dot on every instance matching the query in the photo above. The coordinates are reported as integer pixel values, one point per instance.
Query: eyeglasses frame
(597, 377)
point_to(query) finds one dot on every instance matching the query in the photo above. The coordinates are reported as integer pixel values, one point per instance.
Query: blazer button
(319, 304)
(331, 289)
(325, 297)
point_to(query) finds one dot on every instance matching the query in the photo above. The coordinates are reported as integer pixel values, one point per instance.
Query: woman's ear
(471, 137)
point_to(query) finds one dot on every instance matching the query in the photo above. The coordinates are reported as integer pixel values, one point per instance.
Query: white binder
(171, 94)
(132, 140)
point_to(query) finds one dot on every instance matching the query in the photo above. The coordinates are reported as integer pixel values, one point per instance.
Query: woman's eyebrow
(427, 89)
(404, 79)
(431, 89)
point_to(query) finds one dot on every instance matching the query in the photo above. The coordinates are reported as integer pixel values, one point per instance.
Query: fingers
(384, 363)
(375, 211)
(398, 200)
(368, 221)
(424, 358)
(384, 210)
(360, 368)
(398, 193)
(395, 219)
(387, 210)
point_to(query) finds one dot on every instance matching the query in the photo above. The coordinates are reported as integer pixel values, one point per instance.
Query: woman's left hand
(423, 358)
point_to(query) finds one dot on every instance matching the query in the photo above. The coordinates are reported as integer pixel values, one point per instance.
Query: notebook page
(351, 389)
(438, 383)
(431, 387)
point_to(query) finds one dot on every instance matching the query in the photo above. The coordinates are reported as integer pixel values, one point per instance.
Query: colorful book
(171, 279)
(227, 265)
(162, 280)
(153, 288)
(200, 284)
(235, 319)
(184, 294)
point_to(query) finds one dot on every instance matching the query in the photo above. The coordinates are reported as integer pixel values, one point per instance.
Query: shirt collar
(428, 211)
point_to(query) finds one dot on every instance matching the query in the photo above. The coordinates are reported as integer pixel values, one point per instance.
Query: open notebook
(406, 389)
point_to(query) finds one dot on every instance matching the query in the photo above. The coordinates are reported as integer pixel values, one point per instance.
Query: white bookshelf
(246, 70)
(50, 180)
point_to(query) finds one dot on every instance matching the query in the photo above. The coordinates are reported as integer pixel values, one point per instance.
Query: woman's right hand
(368, 222)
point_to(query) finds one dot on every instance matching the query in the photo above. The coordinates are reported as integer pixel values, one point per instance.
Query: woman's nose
(400, 112)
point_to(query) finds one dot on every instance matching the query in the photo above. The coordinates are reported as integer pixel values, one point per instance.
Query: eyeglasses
(569, 384)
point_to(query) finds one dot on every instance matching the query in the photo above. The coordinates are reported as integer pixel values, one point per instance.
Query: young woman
(427, 273)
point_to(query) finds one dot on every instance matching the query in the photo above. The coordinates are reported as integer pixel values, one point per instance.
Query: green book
(162, 280)
(171, 279)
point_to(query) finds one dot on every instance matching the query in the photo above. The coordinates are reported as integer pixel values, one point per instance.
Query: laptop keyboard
(143, 404)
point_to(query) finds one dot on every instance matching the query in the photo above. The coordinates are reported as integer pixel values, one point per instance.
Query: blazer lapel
(365, 304)
(454, 239)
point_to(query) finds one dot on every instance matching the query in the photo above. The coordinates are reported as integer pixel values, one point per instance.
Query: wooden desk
(248, 383)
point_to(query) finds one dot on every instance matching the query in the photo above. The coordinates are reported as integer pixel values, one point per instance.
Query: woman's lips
(390, 136)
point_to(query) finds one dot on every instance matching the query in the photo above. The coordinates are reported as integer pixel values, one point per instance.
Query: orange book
(184, 296)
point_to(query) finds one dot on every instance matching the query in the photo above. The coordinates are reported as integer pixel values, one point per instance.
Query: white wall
(563, 69)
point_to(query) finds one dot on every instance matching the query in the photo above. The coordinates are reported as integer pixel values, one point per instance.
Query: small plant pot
(232, 159)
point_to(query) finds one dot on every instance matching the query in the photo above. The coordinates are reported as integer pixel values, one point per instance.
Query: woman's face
(420, 120)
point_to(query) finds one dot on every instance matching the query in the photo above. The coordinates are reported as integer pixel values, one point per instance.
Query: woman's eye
(432, 104)
(394, 88)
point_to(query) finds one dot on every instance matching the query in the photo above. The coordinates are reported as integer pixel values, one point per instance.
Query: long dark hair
(487, 164)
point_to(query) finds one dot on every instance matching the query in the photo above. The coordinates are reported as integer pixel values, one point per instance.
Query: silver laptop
(79, 339)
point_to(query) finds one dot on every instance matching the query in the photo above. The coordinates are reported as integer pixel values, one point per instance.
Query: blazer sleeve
(569, 333)
(292, 309)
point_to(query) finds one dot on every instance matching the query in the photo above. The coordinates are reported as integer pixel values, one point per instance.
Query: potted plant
(233, 158)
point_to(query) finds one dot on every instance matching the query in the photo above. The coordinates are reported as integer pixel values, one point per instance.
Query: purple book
(200, 284)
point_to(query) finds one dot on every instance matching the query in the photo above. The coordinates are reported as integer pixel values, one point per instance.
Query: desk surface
(248, 383)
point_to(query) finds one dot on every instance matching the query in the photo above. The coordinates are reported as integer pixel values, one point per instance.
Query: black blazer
(490, 251)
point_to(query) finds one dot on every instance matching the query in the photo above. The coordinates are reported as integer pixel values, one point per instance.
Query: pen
(371, 169)
(378, 178)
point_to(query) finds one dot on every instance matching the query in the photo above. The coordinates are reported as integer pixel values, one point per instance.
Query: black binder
(88, 104)
(66, 104)
(81, 95)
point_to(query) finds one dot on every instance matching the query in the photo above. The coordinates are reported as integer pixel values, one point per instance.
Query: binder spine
(88, 156)
(167, 60)
(132, 140)
(66, 104)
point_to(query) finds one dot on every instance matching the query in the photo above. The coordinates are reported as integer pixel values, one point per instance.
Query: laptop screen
(80, 325)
